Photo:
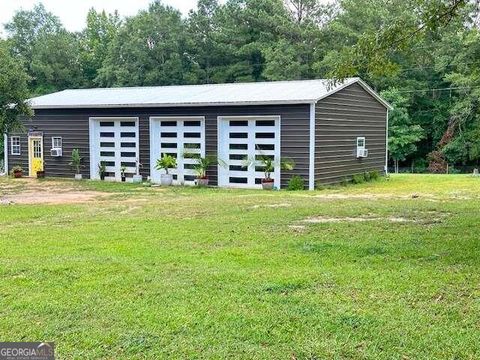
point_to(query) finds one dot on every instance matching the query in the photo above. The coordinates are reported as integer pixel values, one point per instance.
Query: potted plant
(201, 166)
(102, 170)
(17, 171)
(137, 178)
(268, 164)
(122, 173)
(40, 174)
(76, 163)
(166, 162)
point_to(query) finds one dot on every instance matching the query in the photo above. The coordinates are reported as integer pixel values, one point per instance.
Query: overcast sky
(74, 12)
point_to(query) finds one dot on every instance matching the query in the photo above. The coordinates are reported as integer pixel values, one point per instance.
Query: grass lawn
(374, 272)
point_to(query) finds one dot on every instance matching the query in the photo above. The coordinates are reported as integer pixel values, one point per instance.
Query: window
(360, 143)
(15, 142)
(56, 142)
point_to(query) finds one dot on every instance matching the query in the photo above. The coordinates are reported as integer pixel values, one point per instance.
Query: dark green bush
(358, 179)
(320, 186)
(296, 183)
(366, 176)
(344, 182)
(374, 175)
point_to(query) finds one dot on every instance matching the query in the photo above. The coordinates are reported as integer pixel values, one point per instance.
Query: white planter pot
(202, 182)
(137, 179)
(166, 179)
(78, 176)
(267, 185)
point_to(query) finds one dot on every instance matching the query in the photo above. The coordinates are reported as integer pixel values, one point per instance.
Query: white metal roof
(259, 93)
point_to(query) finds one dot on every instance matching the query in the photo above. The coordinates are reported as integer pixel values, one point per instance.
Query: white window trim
(364, 146)
(53, 142)
(12, 146)
(222, 144)
(154, 127)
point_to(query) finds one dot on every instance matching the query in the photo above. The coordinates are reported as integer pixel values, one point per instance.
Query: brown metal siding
(72, 125)
(339, 120)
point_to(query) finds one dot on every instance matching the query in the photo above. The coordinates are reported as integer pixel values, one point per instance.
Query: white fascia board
(152, 105)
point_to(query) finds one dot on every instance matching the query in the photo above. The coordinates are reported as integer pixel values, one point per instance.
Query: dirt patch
(327, 219)
(373, 196)
(51, 197)
(271, 206)
(426, 218)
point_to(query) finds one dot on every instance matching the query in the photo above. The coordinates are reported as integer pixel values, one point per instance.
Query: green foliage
(102, 168)
(269, 164)
(202, 164)
(345, 181)
(16, 168)
(76, 161)
(95, 41)
(374, 175)
(403, 135)
(13, 90)
(358, 179)
(296, 183)
(166, 162)
(149, 49)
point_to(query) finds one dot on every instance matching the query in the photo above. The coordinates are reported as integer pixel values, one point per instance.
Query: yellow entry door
(35, 155)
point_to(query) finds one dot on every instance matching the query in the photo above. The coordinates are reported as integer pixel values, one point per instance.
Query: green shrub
(344, 182)
(358, 179)
(374, 175)
(366, 176)
(420, 166)
(320, 186)
(296, 183)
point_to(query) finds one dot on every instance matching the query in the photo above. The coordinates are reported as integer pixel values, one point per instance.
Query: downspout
(311, 168)
(386, 147)
(5, 153)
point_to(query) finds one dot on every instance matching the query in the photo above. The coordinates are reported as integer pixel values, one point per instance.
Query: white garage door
(114, 141)
(241, 141)
(178, 137)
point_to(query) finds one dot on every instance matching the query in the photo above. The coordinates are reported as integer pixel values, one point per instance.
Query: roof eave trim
(364, 85)
(110, 106)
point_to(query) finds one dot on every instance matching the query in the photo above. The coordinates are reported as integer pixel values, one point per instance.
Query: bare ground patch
(51, 197)
(272, 206)
(32, 191)
(425, 218)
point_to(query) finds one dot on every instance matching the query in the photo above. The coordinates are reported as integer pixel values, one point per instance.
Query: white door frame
(223, 148)
(155, 129)
(94, 143)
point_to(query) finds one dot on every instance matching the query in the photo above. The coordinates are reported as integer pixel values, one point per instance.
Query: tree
(13, 91)
(402, 25)
(460, 62)
(55, 63)
(50, 53)
(302, 10)
(403, 135)
(27, 26)
(206, 50)
(95, 41)
(148, 50)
